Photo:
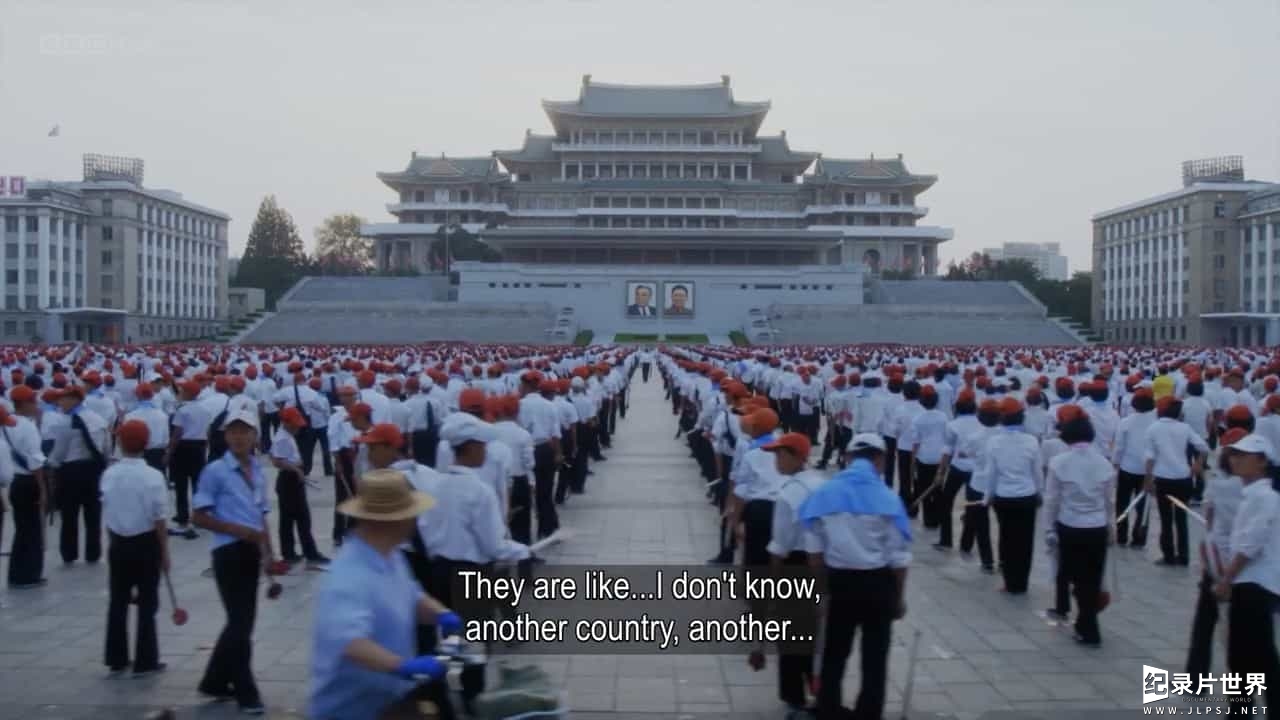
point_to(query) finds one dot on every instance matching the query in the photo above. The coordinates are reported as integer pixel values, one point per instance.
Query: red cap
(797, 443)
(1239, 413)
(144, 391)
(471, 399)
(382, 434)
(1010, 406)
(73, 391)
(1272, 404)
(1068, 413)
(762, 421)
(134, 436)
(314, 383)
(1232, 436)
(292, 417)
(22, 394)
(531, 376)
(361, 410)
(1164, 404)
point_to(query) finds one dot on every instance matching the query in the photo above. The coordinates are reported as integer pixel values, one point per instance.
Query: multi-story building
(1172, 268)
(672, 175)
(1046, 257)
(109, 260)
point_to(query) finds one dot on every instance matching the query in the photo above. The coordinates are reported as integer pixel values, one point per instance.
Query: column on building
(83, 247)
(55, 246)
(22, 262)
(1177, 275)
(42, 260)
(1266, 266)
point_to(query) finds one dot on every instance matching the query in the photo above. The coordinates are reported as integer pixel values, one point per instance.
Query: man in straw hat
(369, 608)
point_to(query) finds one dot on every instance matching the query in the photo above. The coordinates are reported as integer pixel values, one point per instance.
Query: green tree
(340, 248)
(274, 258)
(462, 245)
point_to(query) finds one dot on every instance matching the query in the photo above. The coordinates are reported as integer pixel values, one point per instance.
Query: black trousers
(728, 539)
(133, 564)
(977, 527)
(613, 413)
(291, 493)
(423, 443)
(604, 430)
(155, 458)
(544, 478)
(925, 475)
(420, 566)
(795, 660)
(757, 518)
(26, 555)
(1173, 521)
(1251, 645)
(644, 372)
(264, 439)
(444, 571)
(809, 425)
(838, 438)
(78, 494)
(1017, 518)
(520, 515)
(342, 523)
(905, 489)
(866, 600)
(564, 473)
(946, 501)
(236, 568)
(1128, 485)
(890, 459)
(307, 438)
(184, 472)
(581, 452)
(787, 414)
(1200, 652)
(1082, 557)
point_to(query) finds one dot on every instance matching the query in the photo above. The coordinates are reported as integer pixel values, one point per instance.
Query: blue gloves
(449, 623)
(420, 666)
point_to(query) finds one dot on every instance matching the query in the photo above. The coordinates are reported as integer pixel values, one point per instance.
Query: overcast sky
(1034, 115)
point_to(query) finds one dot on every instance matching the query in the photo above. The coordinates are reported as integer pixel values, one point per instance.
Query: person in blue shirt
(232, 503)
(368, 611)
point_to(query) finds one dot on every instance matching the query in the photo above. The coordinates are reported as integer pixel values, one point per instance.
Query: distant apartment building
(1199, 265)
(1046, 257)
(106, 259)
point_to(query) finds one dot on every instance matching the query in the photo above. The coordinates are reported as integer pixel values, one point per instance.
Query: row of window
(33, 252)
(168, 219)
(166, 331)
(439, 195)
(659, 137)
(1255, 233)
(1154, 220)
(31, 277)
(628, 170)
(28, 329)
(31, 224)
(33, 302)
(1141, 334)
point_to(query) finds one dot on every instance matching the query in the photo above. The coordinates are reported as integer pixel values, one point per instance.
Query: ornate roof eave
(394, 180)
(558, 110)
(922, 181)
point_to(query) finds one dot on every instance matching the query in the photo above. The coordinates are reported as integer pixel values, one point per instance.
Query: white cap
(461, 427)
(425, 382)
(862, 441)
(577, 384)
(248, 418)
(1253, 444)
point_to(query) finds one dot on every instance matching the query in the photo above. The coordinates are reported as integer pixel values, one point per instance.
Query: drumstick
(556, 537)
(1186, 509)
(923, 495)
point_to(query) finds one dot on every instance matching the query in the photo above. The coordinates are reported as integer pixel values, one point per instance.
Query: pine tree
(274, 258)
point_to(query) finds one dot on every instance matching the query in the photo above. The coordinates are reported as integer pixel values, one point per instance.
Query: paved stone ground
(980, 651)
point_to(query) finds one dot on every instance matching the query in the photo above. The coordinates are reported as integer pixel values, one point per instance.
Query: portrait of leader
(679, 296)
(640, 300)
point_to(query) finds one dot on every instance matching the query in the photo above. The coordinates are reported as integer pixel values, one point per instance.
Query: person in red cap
(1012, 475)
(342, 446)
(540, 417)
(1131, 465)
(928, 433)
(134, 503)
(807, 393)
(787, 548)
(425, 409)
(755, 482)
(189, 432)
(1168, 474)
(1079, 503)
(157, 422)
(28, 496)
(291, 492)
(80, 455)
(310, 405)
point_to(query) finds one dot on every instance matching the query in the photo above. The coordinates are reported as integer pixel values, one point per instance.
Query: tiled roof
(537, 148)
(775, 151)
(872, 169)
(713, 99)
(447, 166)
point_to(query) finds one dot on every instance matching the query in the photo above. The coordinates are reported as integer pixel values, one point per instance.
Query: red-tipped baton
(179, 615)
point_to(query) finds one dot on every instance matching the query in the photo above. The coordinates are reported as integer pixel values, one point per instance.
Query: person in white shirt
(80, 455)
(27, 492)
(539, 416)
(928, 433)
(1013, 478)
(342, 447)
(755, 485)
(1102, 416)
(786, 549)
(1268, 426)
(956, 466)
(1131, 465)
(188, 445)
(1222, 496)
(1251, 578)
(808, 398)
(905, 412)
(425, 414)
(134, 502)
(859, 531)
(586, 429)
(1168, 474)
(1079, 503)
(291, 491)
(892, 400)
(144, 409)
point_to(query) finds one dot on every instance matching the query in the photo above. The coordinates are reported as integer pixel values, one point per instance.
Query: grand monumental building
(674, 175)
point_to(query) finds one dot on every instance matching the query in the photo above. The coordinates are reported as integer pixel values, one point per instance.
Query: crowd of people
(442, 459)
(1068, 448)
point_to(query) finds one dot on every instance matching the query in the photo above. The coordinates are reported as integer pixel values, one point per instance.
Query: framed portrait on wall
(677, 298)
(641, 299)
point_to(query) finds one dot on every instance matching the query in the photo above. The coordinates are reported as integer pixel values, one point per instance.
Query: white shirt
(284, 447)
(1131, 436)
(1222, 496)
(1196, 413)
(1166, 443)
(69, 445)
(192, 419)
(24, 438)
(1079, 490)
(157, 424)
(928, 430)
(1105, 422)
(416, 410)
(539, 417)
(960, 441)
(378, 404)
(858, 542)
(134, 497)
(520, 444)
(757, 477)
(787, 534)
(1010, 465)
(466, 523)
(1256, 535)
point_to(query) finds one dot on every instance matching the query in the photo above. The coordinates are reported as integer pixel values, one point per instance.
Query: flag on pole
(55, 131)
